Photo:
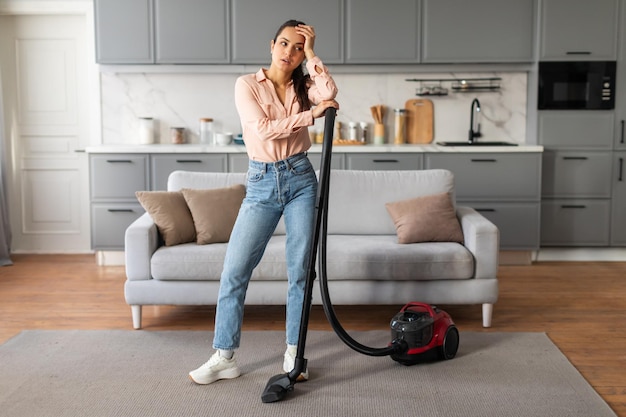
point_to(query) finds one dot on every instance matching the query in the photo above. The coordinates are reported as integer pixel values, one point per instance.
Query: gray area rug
(144, 373)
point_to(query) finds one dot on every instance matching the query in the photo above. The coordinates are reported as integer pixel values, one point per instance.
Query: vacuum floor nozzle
(277, 387)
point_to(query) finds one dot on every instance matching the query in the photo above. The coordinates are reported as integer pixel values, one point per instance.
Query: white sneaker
(290, 362)
(214, 369)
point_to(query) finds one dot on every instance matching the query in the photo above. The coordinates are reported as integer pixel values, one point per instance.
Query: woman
(275, 107)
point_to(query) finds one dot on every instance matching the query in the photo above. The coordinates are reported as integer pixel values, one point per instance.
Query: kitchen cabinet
(576, 174)
(161, 31)
(191, 31)
(575, 222)
(478, 31)
(576, 129)
(575, 30)
(114, 178)
(255, 22)
(504, 187)
(124, 31)
(384, 161)
(618, 209)
(380, 32)
(162, 165)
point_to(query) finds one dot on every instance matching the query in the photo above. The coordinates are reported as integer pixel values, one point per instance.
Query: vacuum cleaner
(419, 332)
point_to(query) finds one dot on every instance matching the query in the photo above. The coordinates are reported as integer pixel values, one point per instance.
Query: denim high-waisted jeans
(288, 188)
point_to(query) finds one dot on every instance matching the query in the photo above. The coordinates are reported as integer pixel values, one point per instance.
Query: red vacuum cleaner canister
(428, 331)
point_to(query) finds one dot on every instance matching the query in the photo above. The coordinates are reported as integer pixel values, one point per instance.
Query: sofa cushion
(214, 211)
(356, 204)
(356, 258)
(171, 215)
(430, 218)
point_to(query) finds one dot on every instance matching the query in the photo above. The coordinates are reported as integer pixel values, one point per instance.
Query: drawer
(577, 222)
(163, 165)
(518, 222)
(492, 176)
(115, 177)
(109, 222)
(576, 129)
(576, 174)
(336, 162)
(237, 162)
(384, 161)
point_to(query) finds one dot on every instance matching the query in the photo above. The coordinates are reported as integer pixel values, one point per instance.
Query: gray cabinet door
(491, 176)
(109, 222)
(478, 30)
(382, 32)
(576, 129)
(575, 222)
(384, 161)
(578, 30)
(518, 222)
(191, 31)
(163, 165)
(618, 210)
(124, 31)
(255, 22)
(576, 174)
(116, 177)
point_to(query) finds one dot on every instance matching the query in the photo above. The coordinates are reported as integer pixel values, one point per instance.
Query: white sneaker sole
(224, 374)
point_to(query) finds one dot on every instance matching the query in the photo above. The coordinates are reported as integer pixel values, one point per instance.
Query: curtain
(5, 227)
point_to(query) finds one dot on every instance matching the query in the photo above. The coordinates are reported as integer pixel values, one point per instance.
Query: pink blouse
(273, 131)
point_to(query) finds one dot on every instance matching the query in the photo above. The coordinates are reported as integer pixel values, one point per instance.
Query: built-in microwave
(579, 85)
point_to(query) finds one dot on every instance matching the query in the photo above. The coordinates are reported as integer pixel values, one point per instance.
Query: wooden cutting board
(419, 120)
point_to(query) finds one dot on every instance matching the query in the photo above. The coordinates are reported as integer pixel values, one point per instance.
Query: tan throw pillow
(169, 212)
(214, 211)
(430, 218)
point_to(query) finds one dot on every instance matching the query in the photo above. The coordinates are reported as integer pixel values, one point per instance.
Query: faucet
(474, 133)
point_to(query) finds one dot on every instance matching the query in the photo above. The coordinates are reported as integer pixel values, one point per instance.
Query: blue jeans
(289, 188)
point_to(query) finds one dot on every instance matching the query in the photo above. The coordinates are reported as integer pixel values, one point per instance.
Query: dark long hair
(300, 80)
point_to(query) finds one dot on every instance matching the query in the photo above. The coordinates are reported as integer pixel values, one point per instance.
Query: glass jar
(177, 135)
(363, 136)
(400, 126)
(146, 130)
(207, 131)
(352, 131)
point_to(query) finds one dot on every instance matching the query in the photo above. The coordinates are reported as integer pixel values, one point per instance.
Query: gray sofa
(366, 264)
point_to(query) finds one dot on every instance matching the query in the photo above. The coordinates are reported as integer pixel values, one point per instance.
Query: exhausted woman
(276, 106)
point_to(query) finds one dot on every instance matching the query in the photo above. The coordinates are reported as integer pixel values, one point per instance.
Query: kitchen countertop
(197, 148)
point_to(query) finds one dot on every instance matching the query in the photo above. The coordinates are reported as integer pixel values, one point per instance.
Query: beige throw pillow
(429, 218)
(214, 211)
(169, 212)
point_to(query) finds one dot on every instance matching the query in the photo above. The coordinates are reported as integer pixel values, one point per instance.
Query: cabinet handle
(119, 161)
(484, 160)
(621, 170)
(573, 206)
(120, 210)
(386, 160)
(575, 158)
(489, 210)
(578, 53)
(621, 140)
(188, 161)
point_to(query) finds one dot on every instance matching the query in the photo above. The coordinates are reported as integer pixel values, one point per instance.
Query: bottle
(207, 134)
(352, 131)
(400, 120)
(363, 137)
(146, 130)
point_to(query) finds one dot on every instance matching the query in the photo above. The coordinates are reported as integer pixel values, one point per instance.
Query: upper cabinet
(254, 24)
(191, 31)
(574, 30)
(478, 31)
(382, 32)
(161, 31)
(124, 31)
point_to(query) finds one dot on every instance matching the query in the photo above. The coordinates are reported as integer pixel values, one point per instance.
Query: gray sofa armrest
(141, 240)
(482, 238)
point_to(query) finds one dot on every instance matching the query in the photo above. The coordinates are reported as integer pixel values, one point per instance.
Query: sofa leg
(136, 313)
(487, 313)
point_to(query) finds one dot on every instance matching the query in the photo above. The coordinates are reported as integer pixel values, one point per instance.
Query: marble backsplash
(181, 99)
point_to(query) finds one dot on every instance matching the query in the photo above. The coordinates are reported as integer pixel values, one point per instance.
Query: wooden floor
(580, 305)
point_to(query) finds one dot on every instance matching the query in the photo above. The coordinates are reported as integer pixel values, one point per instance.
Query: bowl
(224, 138)
(238, 139)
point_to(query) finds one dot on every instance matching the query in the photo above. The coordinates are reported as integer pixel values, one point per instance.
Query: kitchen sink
(466, 143)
